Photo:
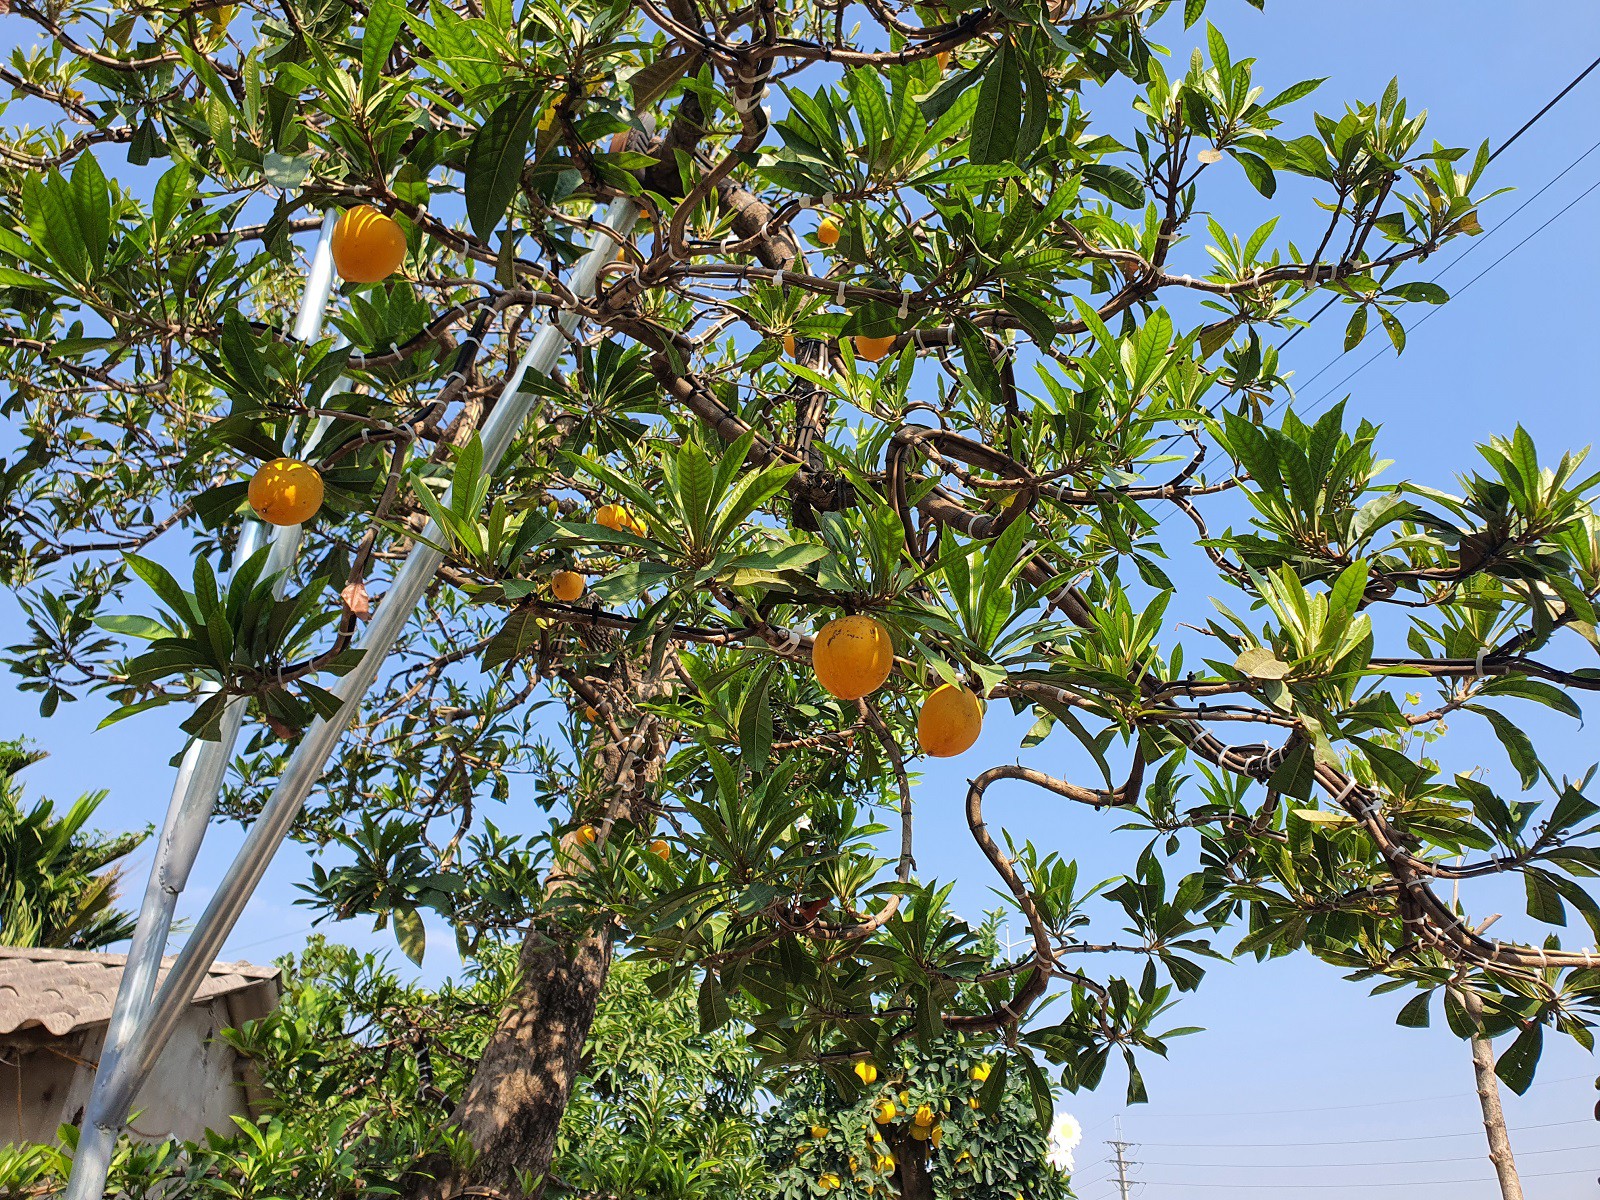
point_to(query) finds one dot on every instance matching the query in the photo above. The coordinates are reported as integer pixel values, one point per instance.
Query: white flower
(1065, 1134)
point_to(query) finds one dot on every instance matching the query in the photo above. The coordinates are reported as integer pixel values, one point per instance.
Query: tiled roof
(64, 990)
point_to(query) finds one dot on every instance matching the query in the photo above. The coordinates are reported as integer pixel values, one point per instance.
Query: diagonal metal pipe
(316, 746)
(194, 796)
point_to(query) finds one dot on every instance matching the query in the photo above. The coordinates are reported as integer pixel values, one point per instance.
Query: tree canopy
(933, 314)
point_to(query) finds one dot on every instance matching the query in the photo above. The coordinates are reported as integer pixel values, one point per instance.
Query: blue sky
(1301, 1086)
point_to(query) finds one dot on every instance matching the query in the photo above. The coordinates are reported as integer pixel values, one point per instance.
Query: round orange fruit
(660, 849)
(852, 656)
(567, 586)
(949, 721)
(612, 516)
(368, 246)
(828, 232)
(873, 348)
(286, 491)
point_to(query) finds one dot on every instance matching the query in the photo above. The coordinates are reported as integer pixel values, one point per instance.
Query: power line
(1399, 1184)
(1273, 1112)
(1473, 245)
(1430, 313)
(1397, 1162)
(1503, 147)
(1421, 1137)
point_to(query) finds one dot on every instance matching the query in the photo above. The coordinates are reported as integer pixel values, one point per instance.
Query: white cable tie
(1478, 667)
(905, 305)
(1350, 786)
(777, 278)
(1587, 962)
(827, 200)
(743, 104)
(1495, 953)
(838, 296)
(791, 641)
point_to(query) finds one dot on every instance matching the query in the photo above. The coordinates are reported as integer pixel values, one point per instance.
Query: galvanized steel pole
(311, 755)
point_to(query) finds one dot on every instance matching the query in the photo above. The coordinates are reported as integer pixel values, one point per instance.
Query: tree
(1073, 375)
(58, 881)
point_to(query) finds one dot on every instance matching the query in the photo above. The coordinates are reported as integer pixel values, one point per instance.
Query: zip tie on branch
(838, 297)
(743, 104)
(905, 305)
(1477, 670)
(1368, 809)
(916, 336)
(791, 641)
(1349, 786)
(777, 278)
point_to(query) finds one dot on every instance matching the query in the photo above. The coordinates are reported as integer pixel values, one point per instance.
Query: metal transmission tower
(1120, 1147)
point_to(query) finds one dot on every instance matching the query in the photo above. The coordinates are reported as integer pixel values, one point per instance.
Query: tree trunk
(1494, 1118)
(512, 1109)
(912, 1159)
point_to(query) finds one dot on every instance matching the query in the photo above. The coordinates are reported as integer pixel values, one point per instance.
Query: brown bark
(1494, 1117)
(911, 1156)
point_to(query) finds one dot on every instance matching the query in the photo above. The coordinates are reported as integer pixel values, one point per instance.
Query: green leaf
(384, 18)
(409, 932)
(495, 159)
(1116, 183)
(1415, 1014)
(1517, 1064)
(1259, 662)
(997, 120)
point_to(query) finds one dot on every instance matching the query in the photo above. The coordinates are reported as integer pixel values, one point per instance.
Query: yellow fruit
(788, 344)
(872, 348)
(368, 247)
(566, 585)
(854, 1165)
(867, 1073)
(852, 656)
(919, 1133)
(612, 516)
(828, 232)
(936, 1137)
(949, 722)
(585, 835)
(817, 1131)
(635, 524)
(884, 1163)
(829, 1182)
(661, 850)
(973, 1103)
(884, 1112)
(286, 491)
(923, 1116)
(980, 1072)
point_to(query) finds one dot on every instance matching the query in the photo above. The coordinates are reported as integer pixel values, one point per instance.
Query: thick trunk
(1494, 1118)
(915, 1181)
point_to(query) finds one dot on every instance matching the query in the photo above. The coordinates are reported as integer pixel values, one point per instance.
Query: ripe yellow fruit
(919, 1133)
(852, 656)
(612, 516)
(661, 850)
(872, 348)
(949, 721)
(818, 1132)
(884, 1112)
(923, 1116)
(829, 1182)
(368, 246)
(567, 586)
(585, 835)
(973, 1103)
(286, 491)
(867, 1073)
(936, 1137)
(635, 524)
(828, 232)
(884, 1163)
(980, 1072)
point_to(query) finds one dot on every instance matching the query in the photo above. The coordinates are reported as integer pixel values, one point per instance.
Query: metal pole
(311, 755)
(194, 795)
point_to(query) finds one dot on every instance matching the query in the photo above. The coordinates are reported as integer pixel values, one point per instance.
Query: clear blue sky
(1302, 1085)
